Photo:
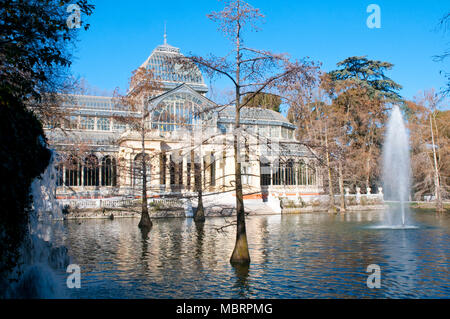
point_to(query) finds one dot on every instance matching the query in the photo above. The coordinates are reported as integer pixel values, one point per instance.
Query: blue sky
(123, 34)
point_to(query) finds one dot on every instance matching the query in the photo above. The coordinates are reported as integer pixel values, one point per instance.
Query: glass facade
(179, 107)
(289, 173)
(178, 110)
(103, 124)
(87, 123)
(117, 126)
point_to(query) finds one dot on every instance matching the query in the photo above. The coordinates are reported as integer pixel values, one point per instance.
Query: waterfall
(35, 275)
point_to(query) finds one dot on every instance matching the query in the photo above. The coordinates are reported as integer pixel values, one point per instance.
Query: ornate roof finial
(165, 34)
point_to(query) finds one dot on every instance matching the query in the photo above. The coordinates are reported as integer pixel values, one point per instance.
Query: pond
(315, 255)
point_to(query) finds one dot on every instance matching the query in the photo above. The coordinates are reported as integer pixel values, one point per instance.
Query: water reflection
(293, 256)
(242, 285)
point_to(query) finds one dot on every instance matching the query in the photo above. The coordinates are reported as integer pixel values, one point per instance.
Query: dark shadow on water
(144, 232)
(242, 283)
(200, 229)
(145, 238)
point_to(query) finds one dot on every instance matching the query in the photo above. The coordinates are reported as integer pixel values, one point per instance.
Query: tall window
(103, 124)
(263, 130)
(109, 171)
(73, 172)
(311, 175)
(91, 171)
(264, 173)
(87, 123)
(275, 131)
(301, 173)
(277, 175)
(290, 176)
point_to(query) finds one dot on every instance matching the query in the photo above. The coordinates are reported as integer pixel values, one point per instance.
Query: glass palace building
(99, 154)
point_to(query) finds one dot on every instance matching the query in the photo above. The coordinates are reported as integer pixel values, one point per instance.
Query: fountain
(396, 171)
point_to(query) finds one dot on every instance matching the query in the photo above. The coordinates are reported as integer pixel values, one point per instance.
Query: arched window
(138, 172)
(109, 171)
(290, 176)
(277, 174)
(73, 172)
(177, 111)
(91, 171)
(301, 173)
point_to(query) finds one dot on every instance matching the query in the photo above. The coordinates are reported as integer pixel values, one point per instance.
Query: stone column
(184, 172)
(167, 169)
(63, 168)
(307, 173)
(100, 172)
(82, 174)
(271, 173)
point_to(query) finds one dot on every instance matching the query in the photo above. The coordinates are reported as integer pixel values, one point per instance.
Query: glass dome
(161, 63)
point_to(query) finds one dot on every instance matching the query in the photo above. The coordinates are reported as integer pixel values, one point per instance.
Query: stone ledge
(314, 209)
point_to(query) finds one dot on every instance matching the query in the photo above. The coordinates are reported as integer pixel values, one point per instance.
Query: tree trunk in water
(200, 212)
(145, 221)
(341, 188)
(240, 253)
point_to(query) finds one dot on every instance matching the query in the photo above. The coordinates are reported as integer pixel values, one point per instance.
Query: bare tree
(251, 72)
(428, 130)
(143, 85)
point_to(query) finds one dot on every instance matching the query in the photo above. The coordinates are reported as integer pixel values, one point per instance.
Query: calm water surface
(293, 256)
